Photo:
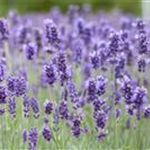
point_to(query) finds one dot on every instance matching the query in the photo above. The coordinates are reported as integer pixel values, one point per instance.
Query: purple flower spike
(141, 65)
(48, 107)
(98, 103)
(75, 129)
(30, 50)
(62, 67)
(117, 97)
(114, 43)
(3, 95)
(4, 31)
(24, 136)
(142, 39)
(46, 132)
(12, 106)
(11, 84)
(118, 113)
(38, 38)
(2, 71)
(32, 138)
(20, 86)
(72, 91)
(63, 110)
(147, 112)
(101, 85)
(50, 73)
(100, 119)
(51, 32)
(17, 85)
(22, 34)
(140, 97)
(91, 89)
(35, 107)
(95, 60)
(26, 106)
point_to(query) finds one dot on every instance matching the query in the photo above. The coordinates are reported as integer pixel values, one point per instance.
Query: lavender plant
(74, 81)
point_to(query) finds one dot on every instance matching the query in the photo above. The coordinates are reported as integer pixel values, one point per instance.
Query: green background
(24, 6)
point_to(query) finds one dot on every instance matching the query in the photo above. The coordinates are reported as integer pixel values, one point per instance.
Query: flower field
(77, 81)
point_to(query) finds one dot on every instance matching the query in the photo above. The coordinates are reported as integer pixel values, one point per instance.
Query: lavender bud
(24, 136)
(11, 84)
(56, 118)
(91, 89)
(46, 132)
(22, 34)
(114, 43)
(95, 60)
(140, 97)
(100, 119)
(98, 103)
(20, 86)
(35, 107)
(142, 39)
(32, 138)
(4, 31)
(127, 91)
(26, 105)
(38, 38)
(3, 95)
(117, 97)
(140, 24)
(30, 50)
(101, 85)
(2, 71)
(75, 129)
(72, 91)
(141, 65)
(62, 67)
(147, 112)
(118, 113)
(12, 106)
(51, 32)
(50, 73)
(48, 107)
(63, 110)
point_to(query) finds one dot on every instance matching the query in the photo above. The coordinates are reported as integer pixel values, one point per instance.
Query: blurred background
(26, 6)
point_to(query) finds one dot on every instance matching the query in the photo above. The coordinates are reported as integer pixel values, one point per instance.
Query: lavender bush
(74, 81)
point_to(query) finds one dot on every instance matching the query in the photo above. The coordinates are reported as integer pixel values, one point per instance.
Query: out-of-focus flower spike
(46, 132)
(26, 106)
(30, 50)
(12, 106)
(24, 136)
(35, 107)
(48, 107)
(32, 138)
(4, 30)
(3, 95)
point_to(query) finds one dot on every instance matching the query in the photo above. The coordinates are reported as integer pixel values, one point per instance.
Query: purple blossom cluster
(74, 61)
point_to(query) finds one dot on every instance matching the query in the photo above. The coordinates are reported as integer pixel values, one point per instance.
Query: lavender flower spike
(35, 107)
(30, 50)
(48, 107)
(46, 132)
(32, 138)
